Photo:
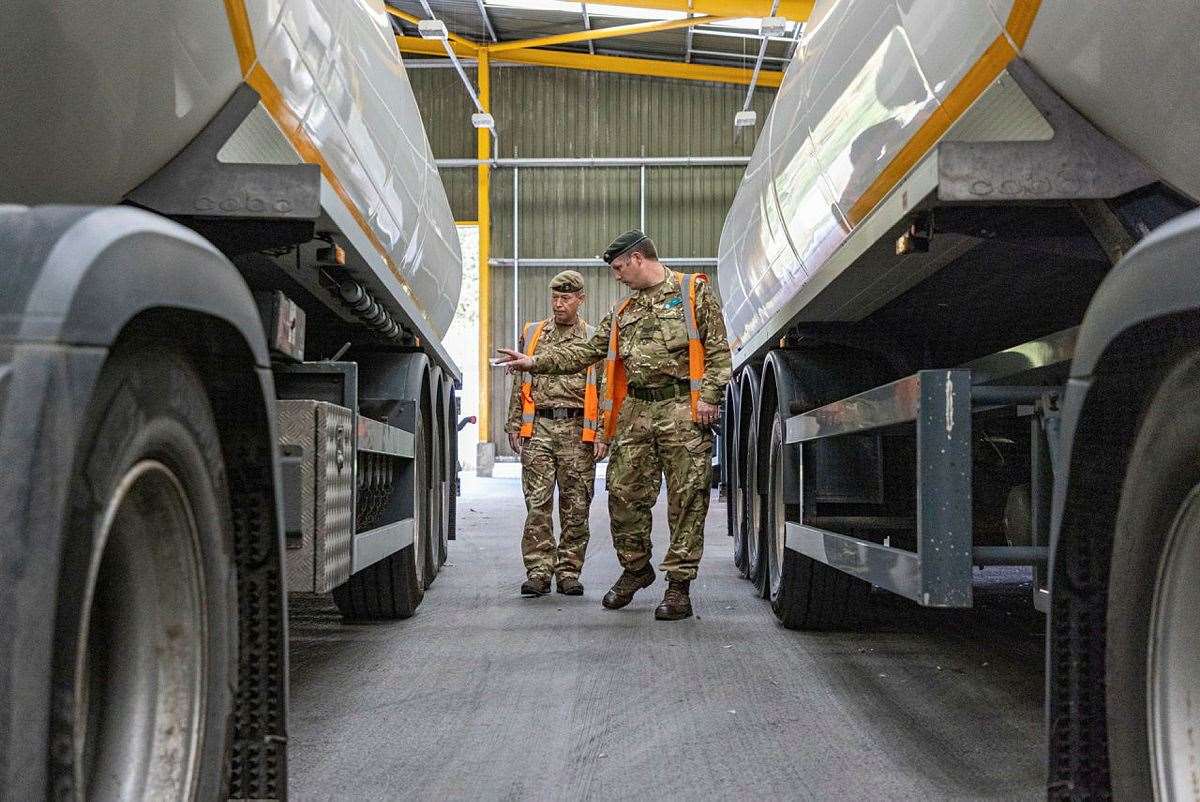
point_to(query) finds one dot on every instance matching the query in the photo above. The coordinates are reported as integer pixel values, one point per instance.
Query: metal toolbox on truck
(324, 436)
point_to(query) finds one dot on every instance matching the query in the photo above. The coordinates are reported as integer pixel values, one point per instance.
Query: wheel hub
(1173, 673)
(140, 672)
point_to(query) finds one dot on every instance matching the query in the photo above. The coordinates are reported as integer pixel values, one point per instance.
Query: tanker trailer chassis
(174, 465)
(1021, 397)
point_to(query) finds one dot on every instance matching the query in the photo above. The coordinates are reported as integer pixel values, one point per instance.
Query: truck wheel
(145, 650)
(733, 507)
(448, 516)
(393, 587)
(752, 506)
(1152, 653)
(445, 479)
(437, 511)
(804, 593)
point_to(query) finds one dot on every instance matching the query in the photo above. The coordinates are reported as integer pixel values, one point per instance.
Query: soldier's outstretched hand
(515, 360)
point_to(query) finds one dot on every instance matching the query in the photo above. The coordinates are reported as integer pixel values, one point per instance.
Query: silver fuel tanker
(228, 263)
(960, 278)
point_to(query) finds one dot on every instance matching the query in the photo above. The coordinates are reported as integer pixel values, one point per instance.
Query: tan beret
(567, 281)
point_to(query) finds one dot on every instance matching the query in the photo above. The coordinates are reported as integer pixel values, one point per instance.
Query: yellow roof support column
(483, 213)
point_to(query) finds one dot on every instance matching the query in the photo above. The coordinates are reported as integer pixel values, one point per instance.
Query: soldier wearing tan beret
(554, 424)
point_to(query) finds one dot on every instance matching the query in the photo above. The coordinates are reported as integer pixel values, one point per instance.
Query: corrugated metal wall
(576, 212)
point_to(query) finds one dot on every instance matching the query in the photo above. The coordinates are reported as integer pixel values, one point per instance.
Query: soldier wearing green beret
(667, 362)
(553, 424)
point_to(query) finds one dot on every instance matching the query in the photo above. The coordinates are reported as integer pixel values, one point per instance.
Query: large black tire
(393, 587)
(448, 517)
(1155, 580)
(757, 501)
(732, 482)
(744, 545)
(434, 503)
(804, 593)
(446, 474)
(452, 477)
(147, 618)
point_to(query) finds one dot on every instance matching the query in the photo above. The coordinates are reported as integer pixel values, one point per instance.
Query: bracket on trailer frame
(940, 403)
(1078, 162)
(238, 207)
(938, 573)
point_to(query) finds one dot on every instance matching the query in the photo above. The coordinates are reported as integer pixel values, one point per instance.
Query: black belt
(560, 413)
(661, 393)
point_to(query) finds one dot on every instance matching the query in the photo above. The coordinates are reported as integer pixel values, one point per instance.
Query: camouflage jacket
(653, 341)
(553, 391)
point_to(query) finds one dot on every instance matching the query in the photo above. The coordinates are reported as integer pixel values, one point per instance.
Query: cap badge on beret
(567, 281)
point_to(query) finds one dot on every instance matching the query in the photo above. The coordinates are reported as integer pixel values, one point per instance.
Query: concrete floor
(485, 695)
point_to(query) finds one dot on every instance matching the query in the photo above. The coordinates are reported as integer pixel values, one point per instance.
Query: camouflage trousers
(656, 439)
(555, 456)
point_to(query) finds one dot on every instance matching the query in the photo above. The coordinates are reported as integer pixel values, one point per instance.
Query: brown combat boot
(676, 603)
(536, 586)
(569, 586)
(629, 583)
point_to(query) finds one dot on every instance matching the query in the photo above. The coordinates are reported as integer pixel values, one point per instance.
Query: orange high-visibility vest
(591, 398)
(616, 385)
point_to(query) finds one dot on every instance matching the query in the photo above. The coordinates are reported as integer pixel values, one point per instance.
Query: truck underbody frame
(981, 246)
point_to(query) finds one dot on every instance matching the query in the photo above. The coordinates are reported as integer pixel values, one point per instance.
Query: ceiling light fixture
(773, 26)
(432, 29)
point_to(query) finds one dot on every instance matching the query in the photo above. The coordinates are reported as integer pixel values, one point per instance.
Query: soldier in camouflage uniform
(656, 432)
(556, 453)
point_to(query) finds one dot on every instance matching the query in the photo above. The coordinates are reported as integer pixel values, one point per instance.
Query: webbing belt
(660, 393)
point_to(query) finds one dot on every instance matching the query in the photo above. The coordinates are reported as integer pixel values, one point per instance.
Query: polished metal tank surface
(98, 98)
(877, 84)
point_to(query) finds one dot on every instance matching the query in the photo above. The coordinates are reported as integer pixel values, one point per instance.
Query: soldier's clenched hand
(706, 413)
(516, 360)
(599, 450)
(516, 442)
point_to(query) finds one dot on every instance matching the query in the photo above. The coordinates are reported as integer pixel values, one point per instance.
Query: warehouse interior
(654, 84)
(591, 137)
(556, 399)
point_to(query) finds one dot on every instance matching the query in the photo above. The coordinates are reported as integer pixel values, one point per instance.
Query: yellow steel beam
(483, 213)
(404, 15)
(606, 33)
(797, 10)
(656, 68)
(429, 47)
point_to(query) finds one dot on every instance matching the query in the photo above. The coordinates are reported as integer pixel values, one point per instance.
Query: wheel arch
(442, 389)
(87, 279)
(729, 437)
(747, 403)
(1144, 317)
(97, 269)
(779, 395)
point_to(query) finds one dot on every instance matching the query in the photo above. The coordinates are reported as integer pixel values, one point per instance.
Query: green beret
(622, 244)
(567, 281)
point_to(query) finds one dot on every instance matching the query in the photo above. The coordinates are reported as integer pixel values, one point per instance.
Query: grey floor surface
(485, 695)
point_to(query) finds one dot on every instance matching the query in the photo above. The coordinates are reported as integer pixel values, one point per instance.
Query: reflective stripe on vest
(591, 399)
(616, 385)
